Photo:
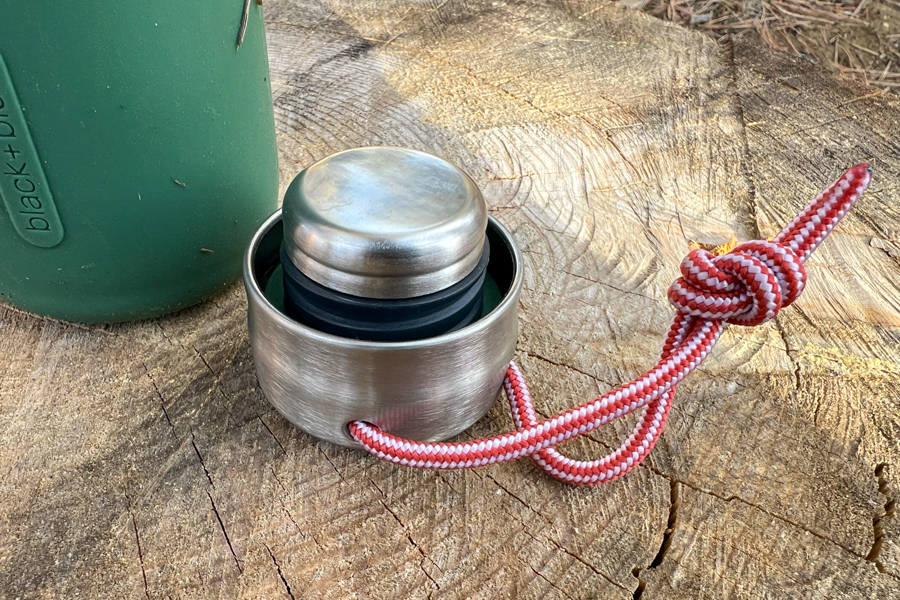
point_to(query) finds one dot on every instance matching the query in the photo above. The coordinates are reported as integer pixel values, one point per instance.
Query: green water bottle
(137, 153)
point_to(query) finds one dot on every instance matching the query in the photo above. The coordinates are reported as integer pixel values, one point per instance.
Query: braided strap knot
(747, 286)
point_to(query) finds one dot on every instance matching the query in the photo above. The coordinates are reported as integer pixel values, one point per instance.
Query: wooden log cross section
(142, 461)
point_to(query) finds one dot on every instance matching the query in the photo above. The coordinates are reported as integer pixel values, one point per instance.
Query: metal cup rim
(258, 297)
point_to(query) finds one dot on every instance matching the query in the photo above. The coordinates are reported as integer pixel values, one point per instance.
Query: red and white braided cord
(747, 286)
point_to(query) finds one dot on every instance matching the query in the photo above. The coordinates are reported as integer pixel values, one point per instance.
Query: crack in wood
(562, 365)
(274, 437)
(272, 469)
(440, 476)
(280, 574)
(785, 520)
(422, 562)
(571, 554)
(612, 287)
(644, 215)
(792, 356)
(166, 335)
(291, 518)
(613, 143)
(330, 462)
(137, 539)
(162, 401)
(200, 457)
(674, 503)
(408, 535)
(566, 551)
(522, 502)
(285, 508)
(202, 358)
(878, 521)
(225, 533)
(641, 586)
(665, 544)
(216, 381)
(673, 480)
(548, 580)
(737, 104)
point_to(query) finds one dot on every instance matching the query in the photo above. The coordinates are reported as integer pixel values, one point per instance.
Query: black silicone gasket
(384, 320)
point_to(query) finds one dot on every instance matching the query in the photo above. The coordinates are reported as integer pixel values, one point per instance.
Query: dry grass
(860, 38)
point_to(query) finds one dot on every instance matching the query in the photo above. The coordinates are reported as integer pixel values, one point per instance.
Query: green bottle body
(137, 154)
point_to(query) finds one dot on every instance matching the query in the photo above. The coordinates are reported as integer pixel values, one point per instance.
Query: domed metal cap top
(384, 223)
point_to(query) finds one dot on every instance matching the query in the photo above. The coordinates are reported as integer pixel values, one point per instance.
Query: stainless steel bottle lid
(384, 223)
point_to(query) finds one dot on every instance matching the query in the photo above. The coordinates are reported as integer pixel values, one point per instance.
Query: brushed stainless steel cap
(384, 222)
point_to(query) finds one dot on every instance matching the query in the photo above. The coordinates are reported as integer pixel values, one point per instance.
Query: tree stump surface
(141, 460)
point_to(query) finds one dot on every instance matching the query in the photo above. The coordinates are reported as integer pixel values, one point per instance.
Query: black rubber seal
(384, 320)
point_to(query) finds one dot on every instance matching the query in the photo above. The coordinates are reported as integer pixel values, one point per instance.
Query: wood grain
(142, 461)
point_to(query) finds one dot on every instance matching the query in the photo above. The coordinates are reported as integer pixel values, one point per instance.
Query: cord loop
(747, 286)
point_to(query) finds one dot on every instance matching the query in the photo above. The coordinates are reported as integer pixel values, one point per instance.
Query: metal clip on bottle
(382, 292)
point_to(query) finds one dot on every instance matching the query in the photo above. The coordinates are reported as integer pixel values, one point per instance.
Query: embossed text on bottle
(23, 184)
